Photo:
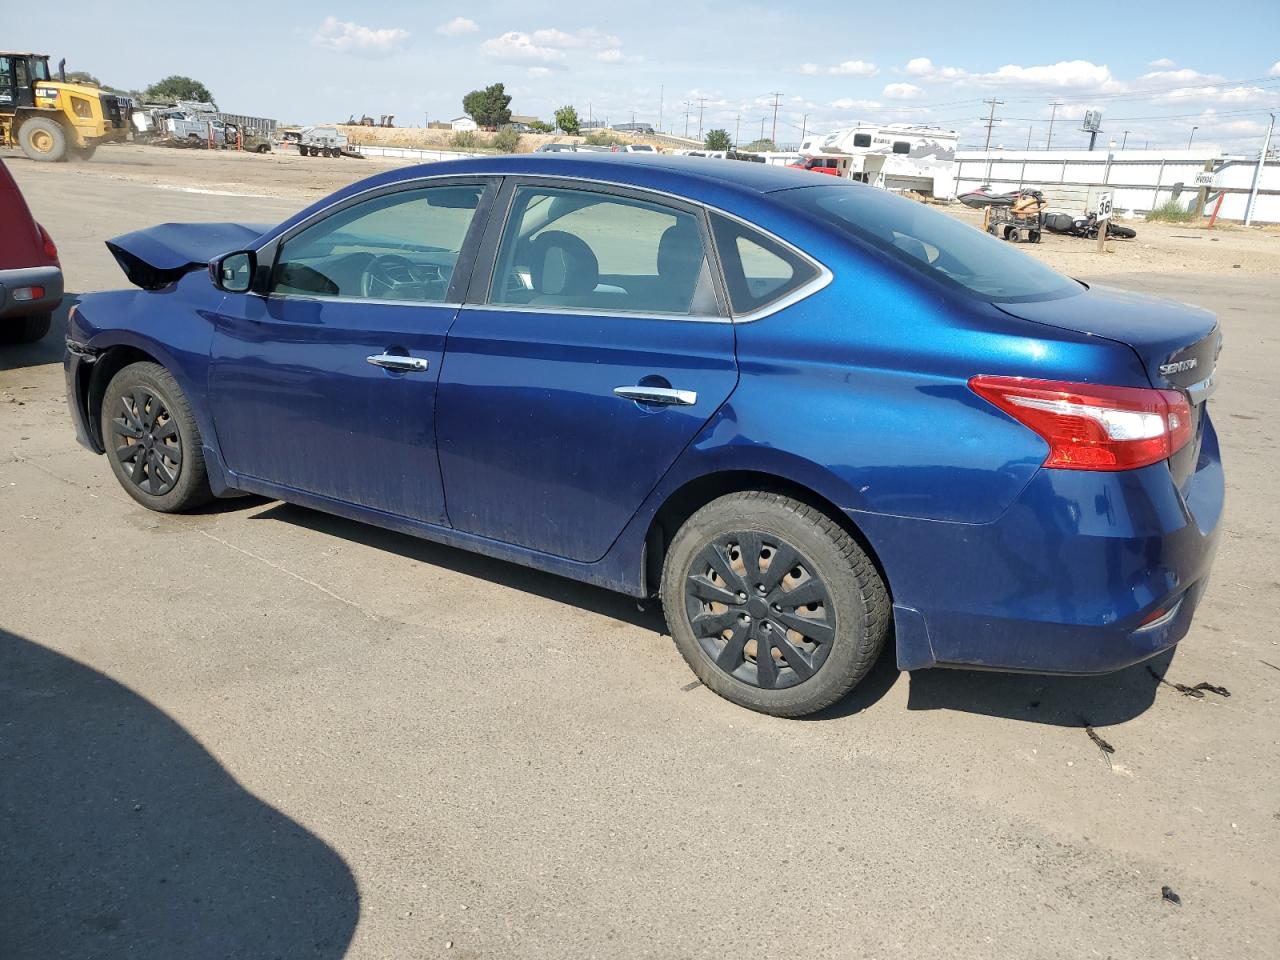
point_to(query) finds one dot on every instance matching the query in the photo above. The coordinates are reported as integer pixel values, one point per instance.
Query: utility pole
(702, 102)
(991, 121)
(1029, 131)
(687, 107)
(804, 128)
(1257, 173)
(1192, 137)
(737, 123)
(777, 99)
(1052, 115)
(1124, 140)
(662, 90)
(762, 120)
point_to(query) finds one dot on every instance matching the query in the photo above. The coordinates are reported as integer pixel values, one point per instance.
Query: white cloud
(1178, 77)
(1063, 75)
(926, 69)
(848, 103)
(549, 44)
(346, 37)
(1275, 70)
(535, 73)
(849, 68)
(1162, 64)
(854, 68)
(457, 27)
(1226, 95)
(517, 47)
(903, 91)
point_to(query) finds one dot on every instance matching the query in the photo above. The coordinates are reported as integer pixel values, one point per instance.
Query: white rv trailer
(895, 156)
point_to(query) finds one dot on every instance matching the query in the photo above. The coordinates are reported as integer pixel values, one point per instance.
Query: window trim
(492, 208)
(268, 254)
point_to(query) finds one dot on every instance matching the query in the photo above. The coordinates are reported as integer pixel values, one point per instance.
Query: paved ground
(265, 732)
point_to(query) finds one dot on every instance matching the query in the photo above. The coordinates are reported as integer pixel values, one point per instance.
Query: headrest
(680, 253)
(562, 265)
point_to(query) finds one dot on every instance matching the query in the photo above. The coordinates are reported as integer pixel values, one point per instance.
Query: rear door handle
(392, 361)
(669, 395)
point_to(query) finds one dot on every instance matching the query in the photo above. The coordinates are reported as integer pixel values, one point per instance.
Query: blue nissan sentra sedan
(807, 414)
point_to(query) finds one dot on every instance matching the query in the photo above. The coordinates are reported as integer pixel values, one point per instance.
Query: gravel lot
(265, 732)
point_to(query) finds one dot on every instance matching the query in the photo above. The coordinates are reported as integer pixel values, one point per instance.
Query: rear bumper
(11, 281)
(1085, 573)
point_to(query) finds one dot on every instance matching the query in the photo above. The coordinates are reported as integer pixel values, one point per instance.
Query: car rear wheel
(773, 604)
(25, 329)
(152, 440)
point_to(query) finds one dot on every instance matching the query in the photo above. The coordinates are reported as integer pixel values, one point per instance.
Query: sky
(1154, 69)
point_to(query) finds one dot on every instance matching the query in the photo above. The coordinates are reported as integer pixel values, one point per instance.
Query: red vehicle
(829, 165)
(30, 275)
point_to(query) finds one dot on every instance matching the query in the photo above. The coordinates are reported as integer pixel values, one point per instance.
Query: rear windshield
(933, 243)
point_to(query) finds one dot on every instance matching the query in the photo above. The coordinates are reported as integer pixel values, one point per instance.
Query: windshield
(937, 245)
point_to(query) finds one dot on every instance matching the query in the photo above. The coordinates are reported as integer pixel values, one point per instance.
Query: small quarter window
(901, 146)
(758, 269)
(862, 139)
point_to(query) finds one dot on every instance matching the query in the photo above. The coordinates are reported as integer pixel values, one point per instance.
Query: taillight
(50, 248)
(1090, 427)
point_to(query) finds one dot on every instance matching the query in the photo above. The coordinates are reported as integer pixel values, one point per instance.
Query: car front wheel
(152, 440)
(773, 604)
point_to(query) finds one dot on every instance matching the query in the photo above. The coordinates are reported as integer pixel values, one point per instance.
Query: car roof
(695, 177)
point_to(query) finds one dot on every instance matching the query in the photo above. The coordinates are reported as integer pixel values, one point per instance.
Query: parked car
(831, 166)
(810, 416)
(30, 275)
(557, 148)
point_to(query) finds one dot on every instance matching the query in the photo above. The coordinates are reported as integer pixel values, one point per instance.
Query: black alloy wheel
(760, 610)
(146, 442)
(152, 439)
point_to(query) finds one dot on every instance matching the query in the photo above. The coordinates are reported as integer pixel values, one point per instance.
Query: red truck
(30, 274)
(829, 165)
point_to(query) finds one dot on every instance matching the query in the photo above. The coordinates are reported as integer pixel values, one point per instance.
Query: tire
(302, 149)
(144, 407)
(1033, 236)
(25, 329)
(1121, 233)
(264, 148)
(43, 139)
(838, 648)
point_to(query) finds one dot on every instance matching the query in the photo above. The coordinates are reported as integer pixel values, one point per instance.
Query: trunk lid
(1178, 345)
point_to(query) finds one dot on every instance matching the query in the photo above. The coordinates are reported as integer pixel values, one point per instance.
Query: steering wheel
(392, 277)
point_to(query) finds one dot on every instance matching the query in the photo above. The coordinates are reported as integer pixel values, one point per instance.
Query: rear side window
(758, 270)
(862, 139)
(901, 146)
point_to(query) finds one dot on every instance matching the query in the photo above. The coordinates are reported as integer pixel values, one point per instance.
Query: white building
(463, 123)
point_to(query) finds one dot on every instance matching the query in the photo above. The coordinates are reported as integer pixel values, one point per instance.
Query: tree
(488, 107)
(718, 140)
(178, 87)
(541, 126)
(760, 146)
(567, 119)
(83, 76)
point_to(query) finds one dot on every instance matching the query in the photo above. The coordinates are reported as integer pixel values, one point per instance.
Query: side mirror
(234, 272)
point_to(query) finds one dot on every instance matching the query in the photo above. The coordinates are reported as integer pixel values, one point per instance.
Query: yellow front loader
(51, 119)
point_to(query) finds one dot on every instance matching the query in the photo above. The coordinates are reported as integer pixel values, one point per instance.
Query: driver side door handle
(391, 361)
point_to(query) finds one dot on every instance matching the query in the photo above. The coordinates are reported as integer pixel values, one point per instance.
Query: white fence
(1141, 179)
(411, 153)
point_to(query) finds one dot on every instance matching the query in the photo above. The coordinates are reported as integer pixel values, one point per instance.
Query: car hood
(160, 255)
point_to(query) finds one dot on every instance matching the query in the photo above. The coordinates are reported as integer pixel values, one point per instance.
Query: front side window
(758, 270)
(573, 249)
(400, 246)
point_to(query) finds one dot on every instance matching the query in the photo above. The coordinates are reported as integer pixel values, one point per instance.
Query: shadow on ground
(1063, 701)
(48, 349)
(121, 837)
(512, 575)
